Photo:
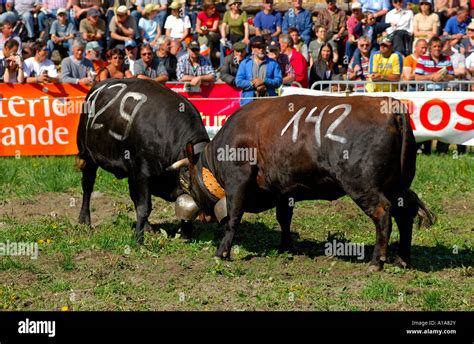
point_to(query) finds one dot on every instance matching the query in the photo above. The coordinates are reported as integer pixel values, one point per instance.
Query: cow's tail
(425, 216)
(408, 150)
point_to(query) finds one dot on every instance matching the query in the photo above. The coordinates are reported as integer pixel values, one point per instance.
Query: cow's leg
(377, 207)
(142, 206)
(284, 213)
(89, 172)
(186, 229)
(132, 189)
(405, 209)
(235, 209)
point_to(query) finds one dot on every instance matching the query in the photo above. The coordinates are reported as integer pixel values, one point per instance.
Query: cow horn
(178, 164)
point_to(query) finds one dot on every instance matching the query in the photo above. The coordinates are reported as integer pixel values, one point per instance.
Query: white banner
(443, 116)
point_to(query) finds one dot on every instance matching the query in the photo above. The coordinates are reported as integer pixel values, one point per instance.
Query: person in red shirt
(207, 25)
(297, 60)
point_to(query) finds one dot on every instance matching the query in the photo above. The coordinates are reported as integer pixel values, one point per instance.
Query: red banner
(38, 119)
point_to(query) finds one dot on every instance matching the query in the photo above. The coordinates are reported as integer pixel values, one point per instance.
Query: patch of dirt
(459, 205)
(54, 204)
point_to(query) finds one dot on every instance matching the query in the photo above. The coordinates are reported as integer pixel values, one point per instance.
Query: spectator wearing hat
(378, 8)
(425, 23)
(150, 30)
(195, 68)
(162, 11)
(177, 26)
(62, 34)
(297, 60)
(235, 22)
(92, 28)
(27, 9)
(354, 19)
(268, 22)
(467, 44)
(359, 71)
(232, 62)
(82, 7)
(287, 71)
(148, 67)
(49, 10)
(207, 25)
(299, 18)
(122, 28)
(410, 62)
(470, 67)
(93, 51)
(456, 26)
(334, 20)
(168, 60)
(115, 67)
(258, 75)
(76, 69)
(401, 27)
(9, 13)
(38, 68)
(131, 52)
(385, 66)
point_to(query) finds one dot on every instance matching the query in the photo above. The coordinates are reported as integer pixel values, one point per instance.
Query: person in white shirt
(401, 27)
(470, 65)
(177, 27)
(38, 69)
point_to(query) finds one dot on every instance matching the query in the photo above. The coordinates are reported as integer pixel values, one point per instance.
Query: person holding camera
(11, 63)
(39, 69)
(207, 25)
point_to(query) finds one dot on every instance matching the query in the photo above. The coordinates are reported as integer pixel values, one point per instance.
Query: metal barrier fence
(399, 86)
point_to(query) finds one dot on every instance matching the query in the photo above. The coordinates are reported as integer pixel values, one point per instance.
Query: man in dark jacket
(232, 62)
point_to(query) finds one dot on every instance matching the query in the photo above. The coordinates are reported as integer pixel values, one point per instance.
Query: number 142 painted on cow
(317, 123)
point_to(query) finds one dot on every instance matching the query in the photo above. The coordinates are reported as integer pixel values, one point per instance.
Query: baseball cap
(273, 46)
(130, 44)
(93, 45)
(61, 11)
(239, 46)
(258, 42)
(93, 12)
(386, 41)
(194, 45)
(356, 6)
(122, 9)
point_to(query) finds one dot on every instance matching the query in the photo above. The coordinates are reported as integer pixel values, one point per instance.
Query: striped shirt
(426, 65)
(185, 67)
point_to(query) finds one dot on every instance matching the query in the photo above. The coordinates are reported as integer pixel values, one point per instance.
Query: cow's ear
(190, 152)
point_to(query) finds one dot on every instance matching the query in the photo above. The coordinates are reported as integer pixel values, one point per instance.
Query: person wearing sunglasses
(115, 67)
(195, 68)
(148, 67)
(360, 71)
(39, 69)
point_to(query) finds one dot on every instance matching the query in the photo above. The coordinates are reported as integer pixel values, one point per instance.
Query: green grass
(101, 268)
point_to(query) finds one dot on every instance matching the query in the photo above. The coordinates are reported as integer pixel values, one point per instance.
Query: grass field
(79, 268)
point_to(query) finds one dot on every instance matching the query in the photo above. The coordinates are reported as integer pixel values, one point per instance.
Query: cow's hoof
(224, 255)
(375, 267)
(400, 263)
(286, 249)
(147, 227)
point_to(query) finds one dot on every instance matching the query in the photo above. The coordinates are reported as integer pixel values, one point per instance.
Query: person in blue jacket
(258, 75)
(299, 18)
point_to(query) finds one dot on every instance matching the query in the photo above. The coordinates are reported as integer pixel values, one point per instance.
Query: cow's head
(209, 209)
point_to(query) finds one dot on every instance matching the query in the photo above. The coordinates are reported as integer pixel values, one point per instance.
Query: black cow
(312, 148)
(136, 128)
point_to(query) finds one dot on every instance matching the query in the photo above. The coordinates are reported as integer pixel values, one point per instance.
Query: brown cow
(310, 147)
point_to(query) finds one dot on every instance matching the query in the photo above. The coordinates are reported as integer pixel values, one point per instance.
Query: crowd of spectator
(202, 41)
